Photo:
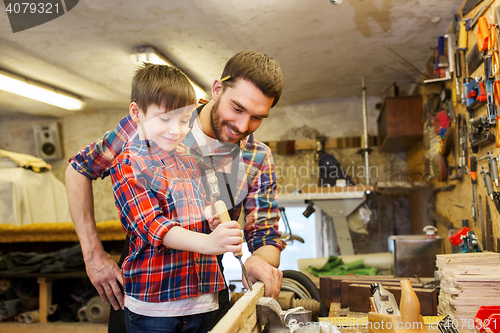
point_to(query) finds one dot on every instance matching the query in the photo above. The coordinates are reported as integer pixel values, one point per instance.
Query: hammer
(219, 208)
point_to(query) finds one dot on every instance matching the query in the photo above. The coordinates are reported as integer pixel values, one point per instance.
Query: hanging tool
(479, 133)
(473, 177)
(471, 23)
(493, 164)
(481, 221)
(444, 66)
(475, 95)
(489, 229)
(221, 209)
(460, 151)
(462, 47)
(494, 196)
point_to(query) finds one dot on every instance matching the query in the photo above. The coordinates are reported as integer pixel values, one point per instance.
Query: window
(300, 226)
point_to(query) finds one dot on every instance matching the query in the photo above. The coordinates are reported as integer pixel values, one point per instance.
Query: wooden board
(241, 313)
(344, 288)
(359, 298)
(330, 287)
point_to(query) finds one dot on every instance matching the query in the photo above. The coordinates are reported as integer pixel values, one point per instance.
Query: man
(221, 140)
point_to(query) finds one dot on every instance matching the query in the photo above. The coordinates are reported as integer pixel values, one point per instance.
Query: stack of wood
(468, 281)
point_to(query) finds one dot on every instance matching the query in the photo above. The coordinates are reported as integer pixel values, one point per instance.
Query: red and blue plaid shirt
(154, 191)
(256, 189)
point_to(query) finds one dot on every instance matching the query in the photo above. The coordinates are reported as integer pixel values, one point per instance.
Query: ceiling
(323, 49)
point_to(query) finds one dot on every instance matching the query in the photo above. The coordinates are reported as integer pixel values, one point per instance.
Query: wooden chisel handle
(221, 209)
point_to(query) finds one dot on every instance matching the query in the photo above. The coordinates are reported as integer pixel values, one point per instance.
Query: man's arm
(263, 266)
(261, 224)
(102, 270)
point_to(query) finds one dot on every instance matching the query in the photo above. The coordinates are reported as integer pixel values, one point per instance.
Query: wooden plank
(250, 324)
(45, 297)
(334, 293)
(344, 288)
(325, 287)
(241, 311)
(359, 298)
(54, 327)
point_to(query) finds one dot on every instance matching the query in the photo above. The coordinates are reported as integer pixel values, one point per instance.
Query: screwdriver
(221, 209)
(473, 177)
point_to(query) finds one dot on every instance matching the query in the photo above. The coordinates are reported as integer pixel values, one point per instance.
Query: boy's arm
(142, 215)
(102, 270)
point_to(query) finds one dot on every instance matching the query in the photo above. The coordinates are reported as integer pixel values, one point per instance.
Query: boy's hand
(226, 237)
(213, 220)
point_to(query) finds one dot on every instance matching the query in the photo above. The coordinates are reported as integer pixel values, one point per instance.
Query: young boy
(171, 275)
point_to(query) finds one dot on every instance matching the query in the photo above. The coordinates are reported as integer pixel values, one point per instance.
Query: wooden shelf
(55, 327)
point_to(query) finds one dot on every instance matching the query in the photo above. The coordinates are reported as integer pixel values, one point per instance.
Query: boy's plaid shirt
(256, 177)
(155, 191)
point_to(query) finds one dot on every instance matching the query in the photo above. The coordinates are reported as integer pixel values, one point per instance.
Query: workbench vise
(385, 317)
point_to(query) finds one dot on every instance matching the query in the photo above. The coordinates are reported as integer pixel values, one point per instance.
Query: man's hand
(105, 274)
(260, 268)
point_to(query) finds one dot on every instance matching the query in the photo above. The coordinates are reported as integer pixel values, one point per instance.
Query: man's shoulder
(254, 145)
(133, 151)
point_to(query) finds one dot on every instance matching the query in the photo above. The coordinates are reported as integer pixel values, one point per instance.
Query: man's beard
(218, 125)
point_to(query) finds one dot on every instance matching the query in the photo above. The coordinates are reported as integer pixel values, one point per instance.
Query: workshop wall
(454, 198)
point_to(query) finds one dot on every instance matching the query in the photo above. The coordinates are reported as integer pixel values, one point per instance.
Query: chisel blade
(245, 274)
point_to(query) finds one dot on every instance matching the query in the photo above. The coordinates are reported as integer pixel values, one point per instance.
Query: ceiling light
(149, 54)
(27, 88)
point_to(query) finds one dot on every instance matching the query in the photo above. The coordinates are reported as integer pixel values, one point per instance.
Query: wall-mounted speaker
(47, 141)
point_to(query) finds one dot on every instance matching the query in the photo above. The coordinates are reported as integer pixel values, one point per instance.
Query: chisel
(221, 209)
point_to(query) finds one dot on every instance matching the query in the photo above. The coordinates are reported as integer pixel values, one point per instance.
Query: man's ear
(216, 89)
(134, 111)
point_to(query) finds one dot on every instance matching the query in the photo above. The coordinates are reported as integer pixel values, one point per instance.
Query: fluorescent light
(24, 87)
(150, 54)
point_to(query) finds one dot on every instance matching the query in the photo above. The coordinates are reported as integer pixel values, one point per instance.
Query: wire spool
(82, 313)
(8, 308)
(296, 287)
(303, 282)
(32, 317)
(97, 311)
(308, 304)
(52, 309)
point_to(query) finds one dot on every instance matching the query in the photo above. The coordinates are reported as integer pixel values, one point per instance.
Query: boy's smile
(166, 129)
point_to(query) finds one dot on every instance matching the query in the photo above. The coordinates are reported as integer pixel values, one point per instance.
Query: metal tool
(494, 196)
(481, 220)
(493, 165)
(473, 177)
(213, 185)
(471, 23)
(221, 209)
(447, 325)
(383, 300)
(479, 132)
(489, 229)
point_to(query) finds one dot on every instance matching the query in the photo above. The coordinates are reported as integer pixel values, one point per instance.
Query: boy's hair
(258, 68)
(161, 85)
